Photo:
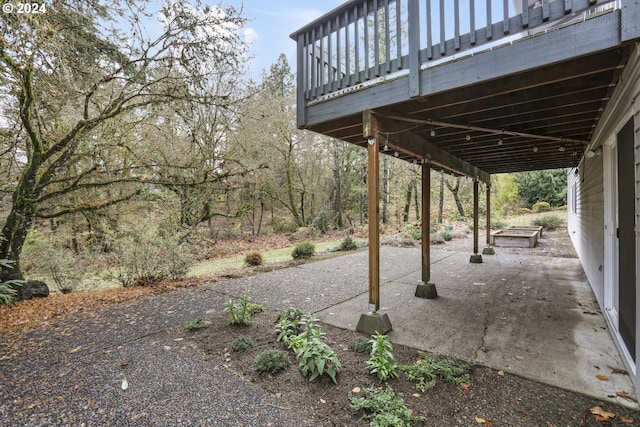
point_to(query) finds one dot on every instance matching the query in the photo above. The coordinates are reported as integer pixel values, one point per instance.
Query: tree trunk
(441, 198)
(455, 189)
(385, 189)
(407, 203)
(416, 205)
(14, 234)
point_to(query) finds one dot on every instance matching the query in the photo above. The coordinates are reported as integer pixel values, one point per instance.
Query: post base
(370, 323)
(426, 290)
(476, 259)
(488, 251)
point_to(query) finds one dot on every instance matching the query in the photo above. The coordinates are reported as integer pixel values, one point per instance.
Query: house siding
(586, 199)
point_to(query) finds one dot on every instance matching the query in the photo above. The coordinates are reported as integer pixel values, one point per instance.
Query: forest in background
(120, 152)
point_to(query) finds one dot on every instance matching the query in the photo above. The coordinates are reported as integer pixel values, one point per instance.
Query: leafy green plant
(241, 344)
(253, 259)
(321, 222)
(288, 325)
(360, 345)
(271, 361)
(304, 250)
(428, 369)
(382, 361)
(7, 289)
(194, 325)
(548, 222)
(446, 236)
(384, 407)
(315, 357)
(348, 244)
(541, 207)
(240, 313)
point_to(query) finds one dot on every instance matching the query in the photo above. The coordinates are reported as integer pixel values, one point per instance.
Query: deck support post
(425, 289)
(476, 258)
(488, 250)
(372, 321)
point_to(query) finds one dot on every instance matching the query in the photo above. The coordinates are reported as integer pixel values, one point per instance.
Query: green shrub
(446, 236)
(430, 368)
(304, 250)
(241, 344)
(348, 244)
(360, 345)
(271, 361)
(194, 325)
(382, 361)
(548, 222)
(240, 313)
(320, 222)
(416, 234)
(540, 207)
(283, 224)
(498, 224)
(384, 408)
(288, 325)
(7, 289)
(148, 254)
(253, 259)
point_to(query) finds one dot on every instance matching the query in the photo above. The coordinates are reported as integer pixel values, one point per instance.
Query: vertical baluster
(339, 74)
(545, 10)
(568, 7)
(330, 75)
(525, 13)
(443, 49)
(429, 32)
(505, 16)
(304, 61)
(413, 21)
(489, 21)
(347, 50)
(472, 22)
(314, 64)
(365, 14)
(356, 44)
(376, 38)
(399, 37)
(456, 13)
(387, 37)
(321, 79)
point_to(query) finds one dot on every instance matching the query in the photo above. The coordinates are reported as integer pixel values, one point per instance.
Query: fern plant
(382, 361)
(7, 289)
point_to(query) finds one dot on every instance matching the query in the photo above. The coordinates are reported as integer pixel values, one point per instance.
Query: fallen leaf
(625, 395)
(464, 386)
(619, 371)
(323, 401)
(520, 357)
(626, 420)
(602, 377)
(125, 384)
(501, 373)
(416, 395)
(166, 347)
(356, 390)
(604, 415)
(483, 421)
(124, 366)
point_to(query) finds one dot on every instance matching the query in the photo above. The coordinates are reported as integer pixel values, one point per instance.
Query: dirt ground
(490, 398)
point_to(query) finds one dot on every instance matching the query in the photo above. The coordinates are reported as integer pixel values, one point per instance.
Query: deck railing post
(414, 48)
(301, 81)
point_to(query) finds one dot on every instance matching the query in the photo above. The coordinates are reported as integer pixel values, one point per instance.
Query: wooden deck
(477, 89)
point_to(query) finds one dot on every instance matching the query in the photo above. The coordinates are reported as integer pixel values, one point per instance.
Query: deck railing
(364, 40)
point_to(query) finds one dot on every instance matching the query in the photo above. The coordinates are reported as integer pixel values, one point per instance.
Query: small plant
(288, 325)
(271, 361)
(382, 361)
(548, 222)
(416, 234)
(348, 244)
(446, 236)
(304, 250)
(194, 325)
(241, 344)
(240, 314)
(360, 345)
(384, 407)
(321, 223)
(430, 368)
(8, 292)
(540, 207)
(498, 224)
(253, 259)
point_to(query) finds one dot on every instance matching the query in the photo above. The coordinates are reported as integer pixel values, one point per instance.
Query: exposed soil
(490, 397)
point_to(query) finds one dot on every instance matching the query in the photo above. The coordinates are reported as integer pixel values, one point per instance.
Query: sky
(270, 22)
